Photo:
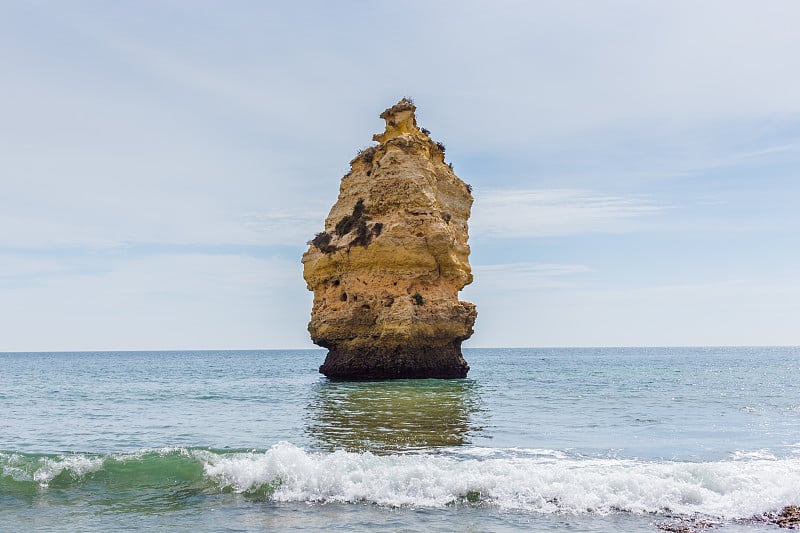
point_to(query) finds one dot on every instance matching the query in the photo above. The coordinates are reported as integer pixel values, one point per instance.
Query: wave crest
(539, 482)
(730, 489)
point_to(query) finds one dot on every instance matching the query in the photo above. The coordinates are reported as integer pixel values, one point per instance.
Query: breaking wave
(539, 481)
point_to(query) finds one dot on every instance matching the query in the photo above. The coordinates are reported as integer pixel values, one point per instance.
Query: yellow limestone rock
(387, 270)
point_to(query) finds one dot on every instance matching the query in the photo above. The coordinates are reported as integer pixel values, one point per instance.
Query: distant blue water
(543, 439)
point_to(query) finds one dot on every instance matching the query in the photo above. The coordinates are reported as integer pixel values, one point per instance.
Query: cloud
(526, 213)
(731, 312)
(519, 68)
(16, 268)
(156, 301)
(286, 228)
(518, 276)
(95, 215)
(233, 127)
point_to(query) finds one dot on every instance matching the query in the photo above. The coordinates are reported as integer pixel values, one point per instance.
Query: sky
(635, 164)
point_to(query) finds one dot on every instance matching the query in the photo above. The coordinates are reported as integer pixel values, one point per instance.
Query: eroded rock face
(387, 270)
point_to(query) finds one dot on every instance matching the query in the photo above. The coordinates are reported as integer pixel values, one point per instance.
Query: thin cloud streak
(285, 228)
(525, 275)
(716, 313)
(527, 213)
(167, 301)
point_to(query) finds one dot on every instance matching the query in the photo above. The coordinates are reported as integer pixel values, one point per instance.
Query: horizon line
(175, 350)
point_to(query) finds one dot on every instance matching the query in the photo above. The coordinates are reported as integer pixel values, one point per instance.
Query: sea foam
(526, 480)
(728, 489)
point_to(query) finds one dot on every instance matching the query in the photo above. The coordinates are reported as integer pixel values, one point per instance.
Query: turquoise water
(596, 440)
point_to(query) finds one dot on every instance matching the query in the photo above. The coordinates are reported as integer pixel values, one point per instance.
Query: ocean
(569, 439)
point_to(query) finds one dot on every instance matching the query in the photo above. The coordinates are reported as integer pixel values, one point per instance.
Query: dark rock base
(395, 362)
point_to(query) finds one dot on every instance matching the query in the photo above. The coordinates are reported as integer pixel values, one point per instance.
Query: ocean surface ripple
(562, 439)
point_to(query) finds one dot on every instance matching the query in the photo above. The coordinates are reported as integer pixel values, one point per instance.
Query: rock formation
(387, 269)
(788, 518)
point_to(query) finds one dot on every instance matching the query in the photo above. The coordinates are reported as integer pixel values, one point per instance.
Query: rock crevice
(387, 269)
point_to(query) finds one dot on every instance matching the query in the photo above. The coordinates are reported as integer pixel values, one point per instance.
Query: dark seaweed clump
(322, 241)
(358, 221)
(367, 154)
(346, 225)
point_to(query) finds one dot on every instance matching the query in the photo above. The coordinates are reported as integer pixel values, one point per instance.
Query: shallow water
(544, 439)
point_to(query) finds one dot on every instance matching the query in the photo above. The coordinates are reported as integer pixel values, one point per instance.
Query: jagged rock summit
(387, 270)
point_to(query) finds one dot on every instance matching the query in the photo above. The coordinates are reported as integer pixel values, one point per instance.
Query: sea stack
(387, 270)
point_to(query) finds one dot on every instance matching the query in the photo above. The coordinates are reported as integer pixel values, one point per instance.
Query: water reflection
(387, 416)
